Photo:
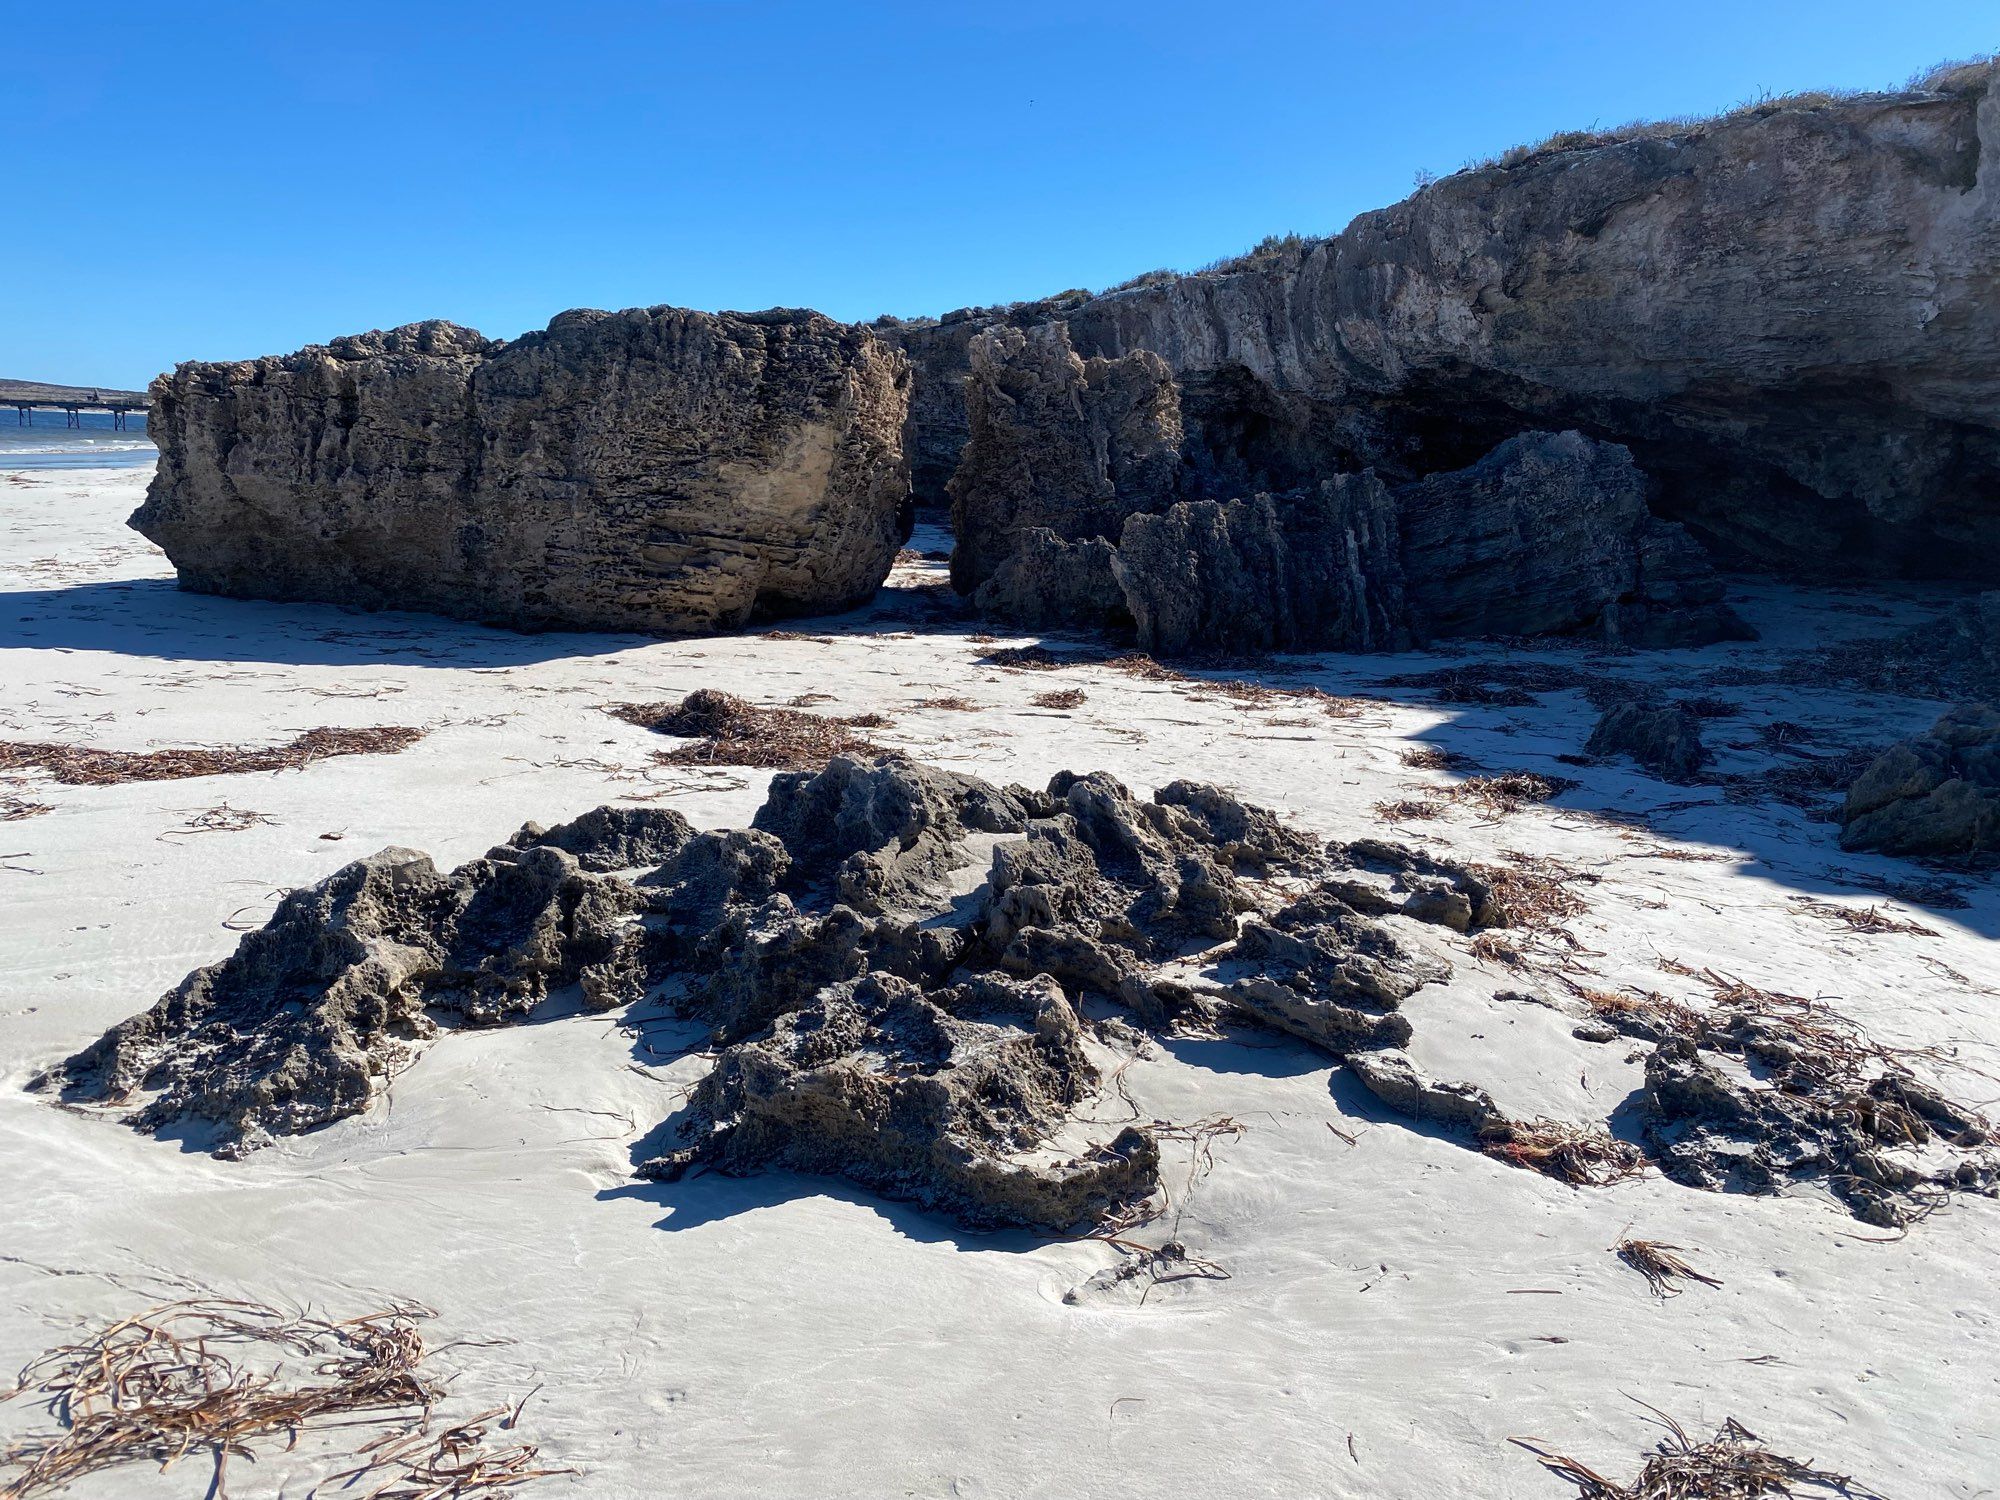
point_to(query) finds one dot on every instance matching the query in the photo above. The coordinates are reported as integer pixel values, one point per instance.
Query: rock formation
(1664, 738)
(1320, 567)
(1937, 794)
(654, 469)
(875, 1019)
(1059, 442)
(1548, 534)
(1786, 314)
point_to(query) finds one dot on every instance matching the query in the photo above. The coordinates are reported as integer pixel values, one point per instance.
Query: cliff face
(655, 469)
(1788, 315)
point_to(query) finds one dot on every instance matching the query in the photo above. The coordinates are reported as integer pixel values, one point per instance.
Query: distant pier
(27, 398)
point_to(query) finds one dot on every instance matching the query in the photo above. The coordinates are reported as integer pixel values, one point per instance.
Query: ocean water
(48, 444)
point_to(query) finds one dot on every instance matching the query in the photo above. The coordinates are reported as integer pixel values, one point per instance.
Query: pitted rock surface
(655, 469)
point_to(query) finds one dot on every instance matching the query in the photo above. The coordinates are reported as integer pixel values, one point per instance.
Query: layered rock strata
(655, 469)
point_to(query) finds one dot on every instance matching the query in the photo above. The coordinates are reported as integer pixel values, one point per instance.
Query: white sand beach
(1388, 1308)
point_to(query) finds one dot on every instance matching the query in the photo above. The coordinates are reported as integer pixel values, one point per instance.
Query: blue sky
(221, 180)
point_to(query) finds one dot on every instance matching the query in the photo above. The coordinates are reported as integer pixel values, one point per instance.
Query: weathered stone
(1808, 1113)
(1399, 1083)
(1785, 313)
(872, 1016)
(1047, 583)
(1664, 738)
(917, 1095)
(1549, 533)
(1055, 441)
(313, 1012)
(1936, 794)
(654, 469)
(1544, 535)
(1319, 568)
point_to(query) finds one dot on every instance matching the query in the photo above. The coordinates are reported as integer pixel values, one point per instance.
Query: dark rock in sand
(654, 469)
(311, 1015)
(1664, 738)
(1936, 794)
(873, 1016)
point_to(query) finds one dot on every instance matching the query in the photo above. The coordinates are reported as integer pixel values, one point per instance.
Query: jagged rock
(884, 834)
(1315, 569)
(1732, 299)
(654, 469)
(1936, 794)
(872, 1016)
(306, 1021)
(1665, 738)
(1809, 1114)
(919, 1095)
(1069, 444)
(1399, 1083)
(1545, 535)
(1377, 877)
(1047, 583)
(607, 838)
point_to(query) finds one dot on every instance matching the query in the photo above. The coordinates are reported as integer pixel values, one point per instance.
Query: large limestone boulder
(655, 469)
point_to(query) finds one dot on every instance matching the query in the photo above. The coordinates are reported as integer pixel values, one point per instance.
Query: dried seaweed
(1061, 698)
(78, 765)
(1662, 1266)
(730, 731)
(1863, 918)
(1533, 891)
(14, 809)
(1508, 684)
(218, 1376)
(1732, 1465)
(1409, 809)
(1580, 1155)
(1508, 792)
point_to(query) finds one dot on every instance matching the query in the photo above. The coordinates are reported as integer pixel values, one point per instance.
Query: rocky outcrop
(872, 1017)
(875, 1014)
(1937, 794)
(1049, 583)
(654, 469)
(1785, 313)
(1665, 738)
(1059, 442)
(1317, 568)
(1548, 534)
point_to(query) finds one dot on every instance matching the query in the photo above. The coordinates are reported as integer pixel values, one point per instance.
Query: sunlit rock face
(655, 469)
